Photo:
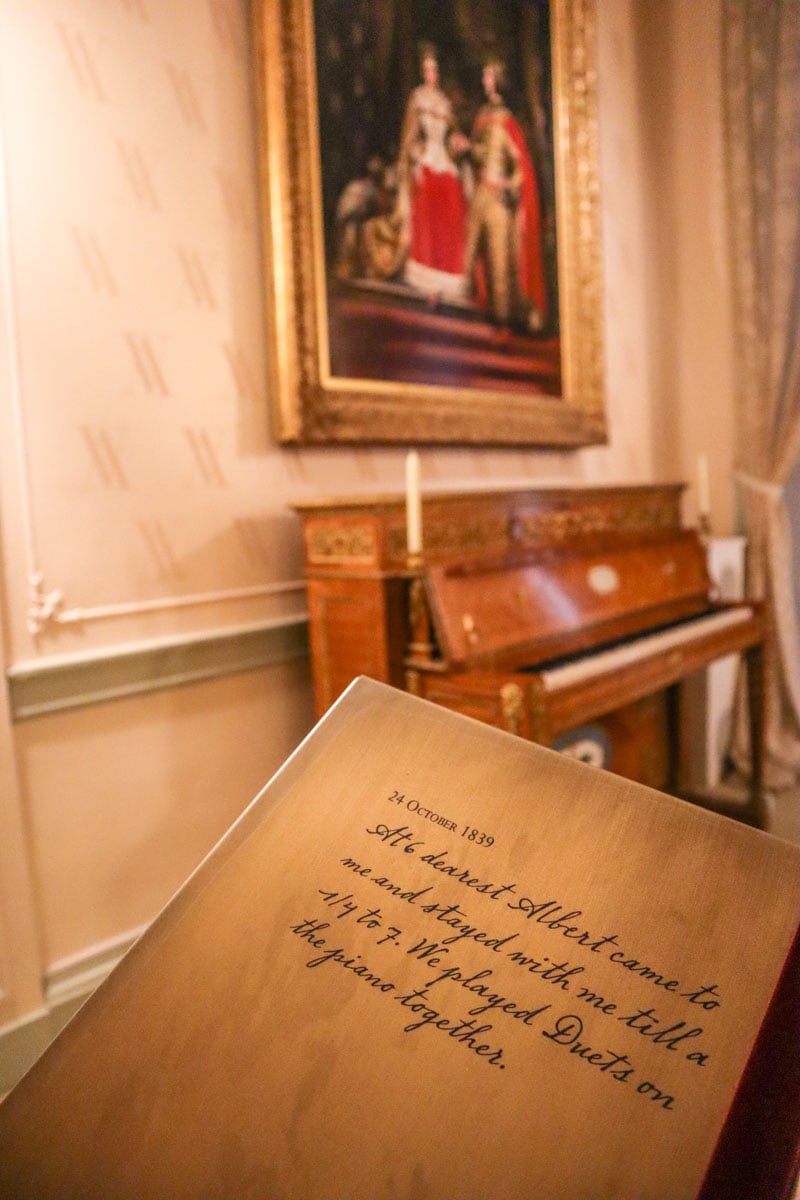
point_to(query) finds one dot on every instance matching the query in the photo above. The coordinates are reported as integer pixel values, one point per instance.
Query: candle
(703, 489)
(413, 504)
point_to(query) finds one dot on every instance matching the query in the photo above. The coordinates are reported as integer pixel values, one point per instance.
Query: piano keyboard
(604, 662)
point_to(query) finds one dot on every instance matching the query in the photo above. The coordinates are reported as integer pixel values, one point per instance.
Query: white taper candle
(703, 487)
(413, 504)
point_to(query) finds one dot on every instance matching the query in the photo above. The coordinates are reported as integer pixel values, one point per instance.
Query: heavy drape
(761, 97)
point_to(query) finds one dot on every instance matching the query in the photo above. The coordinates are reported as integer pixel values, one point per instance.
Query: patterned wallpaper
(140, 485)
(134, 249)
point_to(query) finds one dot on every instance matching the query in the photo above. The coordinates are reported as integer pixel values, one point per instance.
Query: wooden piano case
(517, 591)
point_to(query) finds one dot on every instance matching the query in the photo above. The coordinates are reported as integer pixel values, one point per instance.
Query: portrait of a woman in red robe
(430, 189)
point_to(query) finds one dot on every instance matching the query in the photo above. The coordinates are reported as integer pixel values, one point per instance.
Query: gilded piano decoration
(431, 220)
(547, 613)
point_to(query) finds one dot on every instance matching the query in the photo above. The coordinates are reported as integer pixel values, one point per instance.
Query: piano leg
(755, 666)
(676, 740)
(751, 813)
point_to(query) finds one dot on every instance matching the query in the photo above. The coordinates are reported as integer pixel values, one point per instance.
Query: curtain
(761, 98)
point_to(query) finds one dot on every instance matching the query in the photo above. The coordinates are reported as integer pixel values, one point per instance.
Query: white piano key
(607, 661)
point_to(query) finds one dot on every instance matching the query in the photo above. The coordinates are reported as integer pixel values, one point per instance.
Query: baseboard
(66, 986)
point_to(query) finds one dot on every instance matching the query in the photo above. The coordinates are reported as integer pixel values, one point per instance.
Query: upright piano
(566, 615)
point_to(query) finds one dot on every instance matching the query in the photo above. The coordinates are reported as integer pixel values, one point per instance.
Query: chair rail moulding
(47, 608)
(71, 681)
(431, 218)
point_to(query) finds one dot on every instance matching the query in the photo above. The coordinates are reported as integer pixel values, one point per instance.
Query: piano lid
(480, 609)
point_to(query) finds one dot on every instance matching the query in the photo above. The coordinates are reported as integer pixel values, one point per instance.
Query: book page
(431, 961)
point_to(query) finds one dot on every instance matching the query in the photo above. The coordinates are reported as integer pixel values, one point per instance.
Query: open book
(434, 961)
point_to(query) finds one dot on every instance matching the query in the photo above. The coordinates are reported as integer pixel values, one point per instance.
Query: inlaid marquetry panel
(357, 531)
(443, 537)
(353, 543)
(563, 522)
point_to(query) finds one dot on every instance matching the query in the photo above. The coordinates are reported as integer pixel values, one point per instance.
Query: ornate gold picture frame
(398, 306)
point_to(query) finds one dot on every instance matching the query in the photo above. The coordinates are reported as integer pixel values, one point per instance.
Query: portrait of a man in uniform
(504, 231)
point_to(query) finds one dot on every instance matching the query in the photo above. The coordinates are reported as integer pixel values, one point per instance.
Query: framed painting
(431, 221)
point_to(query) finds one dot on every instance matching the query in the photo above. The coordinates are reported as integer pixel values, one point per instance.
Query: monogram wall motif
(139, 396)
